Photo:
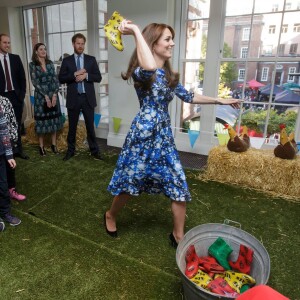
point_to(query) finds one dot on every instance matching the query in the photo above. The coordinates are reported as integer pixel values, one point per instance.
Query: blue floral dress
(149, 161)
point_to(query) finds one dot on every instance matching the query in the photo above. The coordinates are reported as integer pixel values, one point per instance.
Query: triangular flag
(97, 118)
(117, 123)
(193, 134)
(32, 100)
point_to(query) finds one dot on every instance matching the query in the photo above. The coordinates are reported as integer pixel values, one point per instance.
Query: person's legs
(88, 113)
(73, 116)
(53, 143)
(178, 210)
(111, 215)
(11, 183)
(4, 193)
(53, 138)
(41, 142)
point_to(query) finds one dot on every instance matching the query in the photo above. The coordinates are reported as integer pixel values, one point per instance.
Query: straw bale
(257, 169)
(32, 138)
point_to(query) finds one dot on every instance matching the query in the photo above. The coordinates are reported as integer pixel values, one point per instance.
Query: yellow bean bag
(112, 32)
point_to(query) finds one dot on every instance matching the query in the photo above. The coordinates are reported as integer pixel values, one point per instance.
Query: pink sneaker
(14, 195)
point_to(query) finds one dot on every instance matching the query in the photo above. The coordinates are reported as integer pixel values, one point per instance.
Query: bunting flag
(32, 100)
(97, 118)
(117, 124)
(223, 138)
(193, 135)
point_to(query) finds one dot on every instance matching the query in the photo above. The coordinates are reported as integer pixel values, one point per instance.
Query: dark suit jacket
(17, 75)
(66, 75)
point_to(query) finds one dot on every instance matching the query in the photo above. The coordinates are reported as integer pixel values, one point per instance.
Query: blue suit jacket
(17, 75)
(66, 75)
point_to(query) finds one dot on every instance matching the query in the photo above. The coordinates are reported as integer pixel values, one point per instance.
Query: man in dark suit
(13, 85)
(79, 71)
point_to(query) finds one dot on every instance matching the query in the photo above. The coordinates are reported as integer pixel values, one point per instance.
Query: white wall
(123, 102)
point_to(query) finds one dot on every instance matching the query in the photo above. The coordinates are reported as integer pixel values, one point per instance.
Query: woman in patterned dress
(149, 161)
(47, 113)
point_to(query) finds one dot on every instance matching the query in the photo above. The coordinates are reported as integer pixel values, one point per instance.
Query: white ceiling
(17, 3)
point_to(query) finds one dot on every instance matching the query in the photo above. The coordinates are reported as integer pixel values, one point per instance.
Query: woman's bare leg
(178, 210)
(53, 138)
(111, 215)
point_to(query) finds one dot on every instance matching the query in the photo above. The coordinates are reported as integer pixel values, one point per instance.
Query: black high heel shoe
(173, 241)
(113, 234)
(42, 151)
(54, 149)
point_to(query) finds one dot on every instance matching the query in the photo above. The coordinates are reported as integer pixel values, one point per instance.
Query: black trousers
(4, 194)
(73, 116)
(11, 177)
(18, 109)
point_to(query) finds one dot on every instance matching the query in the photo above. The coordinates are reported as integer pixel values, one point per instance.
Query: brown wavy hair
(35, 58)
(152, 34)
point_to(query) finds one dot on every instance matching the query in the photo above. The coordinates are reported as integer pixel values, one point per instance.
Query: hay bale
(257, 169)
(32, 138)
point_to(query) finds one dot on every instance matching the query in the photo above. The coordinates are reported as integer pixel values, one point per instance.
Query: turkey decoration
(292, 140)
(286, 149)
(237, 143)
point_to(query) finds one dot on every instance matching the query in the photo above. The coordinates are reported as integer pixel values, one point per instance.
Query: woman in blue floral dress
(47, 113)
(149, 161)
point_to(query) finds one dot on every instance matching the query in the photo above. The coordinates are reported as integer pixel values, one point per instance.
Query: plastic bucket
(202, 237)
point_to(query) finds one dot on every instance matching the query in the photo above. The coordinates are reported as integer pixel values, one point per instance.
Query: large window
(256, 54)
(55, 25)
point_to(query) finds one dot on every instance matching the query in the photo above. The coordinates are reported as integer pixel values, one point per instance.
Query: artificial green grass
(61, 250)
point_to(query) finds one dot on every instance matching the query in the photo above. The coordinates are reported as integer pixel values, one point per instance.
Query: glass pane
(235, 9)
(54, 47)
(80, 15)
(268, 6)
(103, 93)
(286, 115)
(67, 48)
(102, 5)
(196, 39)
(67, 16)
(198, 9)
(255, 120)
(289, 39)
(192, 80)
(52, 15)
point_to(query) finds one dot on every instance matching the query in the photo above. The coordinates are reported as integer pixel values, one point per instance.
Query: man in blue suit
(79, 71)
(13, 85)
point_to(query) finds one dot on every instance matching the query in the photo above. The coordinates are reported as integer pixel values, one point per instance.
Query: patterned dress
(45, 82)
(149, 161)
(9, 114)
